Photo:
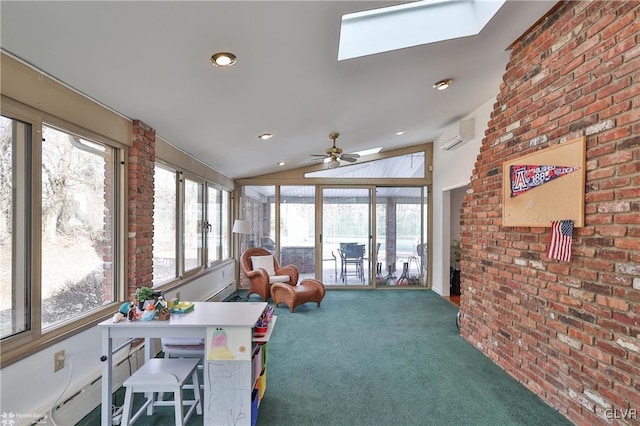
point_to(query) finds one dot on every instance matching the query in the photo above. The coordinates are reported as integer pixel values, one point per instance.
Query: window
(402, 214)
(58, 228)
(381, 203)
(225, 226)
(408, 166)
(164, 225)
(14, 286)
(77, 223)
(217, 225)
(297, 228)
(195, 230)
(257, 205)
(412, 24)
(193, 224)
(213, 224)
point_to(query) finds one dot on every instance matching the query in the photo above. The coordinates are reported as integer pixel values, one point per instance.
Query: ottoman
(309, 290)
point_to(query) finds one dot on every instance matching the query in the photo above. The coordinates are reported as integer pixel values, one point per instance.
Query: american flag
(560, 244)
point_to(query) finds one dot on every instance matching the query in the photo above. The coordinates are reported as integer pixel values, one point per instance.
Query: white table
(236, 317)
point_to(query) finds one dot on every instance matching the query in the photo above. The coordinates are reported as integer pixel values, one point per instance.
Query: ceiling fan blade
(348, 159)
(354, 155)
(318, 155)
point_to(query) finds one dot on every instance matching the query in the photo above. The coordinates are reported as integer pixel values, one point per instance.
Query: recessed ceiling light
(400, 132)
(223, 59)
(443, 84)
(281, 163)
(265, 136)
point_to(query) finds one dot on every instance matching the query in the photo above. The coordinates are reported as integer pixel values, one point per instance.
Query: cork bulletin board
(545, 186)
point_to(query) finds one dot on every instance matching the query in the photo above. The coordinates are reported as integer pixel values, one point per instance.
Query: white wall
(452, 169)
(457, 198)
(29, 387)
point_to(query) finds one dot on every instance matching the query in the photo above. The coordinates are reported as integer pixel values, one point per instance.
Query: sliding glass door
(346, 236)
(401, 215)
(343, 236)
(297, 228)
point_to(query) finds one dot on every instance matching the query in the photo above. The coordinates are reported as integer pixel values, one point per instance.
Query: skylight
(412, 24)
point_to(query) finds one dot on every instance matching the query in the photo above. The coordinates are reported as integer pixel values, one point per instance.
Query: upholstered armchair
(262, 270)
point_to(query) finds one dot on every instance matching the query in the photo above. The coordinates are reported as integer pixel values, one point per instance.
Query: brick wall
(140, 215)
(570, 332)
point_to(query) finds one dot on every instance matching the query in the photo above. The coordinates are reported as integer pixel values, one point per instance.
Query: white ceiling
(149, 60)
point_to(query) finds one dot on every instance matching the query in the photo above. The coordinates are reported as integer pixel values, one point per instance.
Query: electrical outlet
(58, 361)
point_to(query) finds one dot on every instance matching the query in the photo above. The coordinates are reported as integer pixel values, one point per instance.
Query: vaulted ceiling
(150, 61)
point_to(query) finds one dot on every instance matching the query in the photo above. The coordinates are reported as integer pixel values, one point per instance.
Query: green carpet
(382, 357)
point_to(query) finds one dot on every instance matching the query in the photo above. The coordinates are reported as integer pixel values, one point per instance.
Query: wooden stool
(308, 290)
(163, 375)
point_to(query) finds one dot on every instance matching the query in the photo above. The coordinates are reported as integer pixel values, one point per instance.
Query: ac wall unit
(464, 135)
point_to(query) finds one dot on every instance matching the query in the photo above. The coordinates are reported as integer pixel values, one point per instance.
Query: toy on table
(182, 308)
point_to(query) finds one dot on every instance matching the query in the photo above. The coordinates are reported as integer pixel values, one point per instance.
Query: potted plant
(143, 294)
(455, 267)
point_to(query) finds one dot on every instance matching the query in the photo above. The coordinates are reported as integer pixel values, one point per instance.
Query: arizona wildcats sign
(526, 177)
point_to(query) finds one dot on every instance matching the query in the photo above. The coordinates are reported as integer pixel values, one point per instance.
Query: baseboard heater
(86, 397)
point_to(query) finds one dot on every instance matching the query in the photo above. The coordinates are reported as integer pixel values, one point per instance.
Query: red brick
(140, 185)
(589, 80)
(613, 303)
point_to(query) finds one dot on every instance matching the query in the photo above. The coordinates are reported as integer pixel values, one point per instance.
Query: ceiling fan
(335, 154)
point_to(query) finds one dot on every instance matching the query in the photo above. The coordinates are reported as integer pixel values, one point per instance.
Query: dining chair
(352, 255)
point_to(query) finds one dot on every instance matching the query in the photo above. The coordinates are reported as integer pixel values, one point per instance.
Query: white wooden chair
(163, 375)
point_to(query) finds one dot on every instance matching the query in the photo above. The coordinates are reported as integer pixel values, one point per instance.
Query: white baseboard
(223, 294)
(76, 403)
(85, 397)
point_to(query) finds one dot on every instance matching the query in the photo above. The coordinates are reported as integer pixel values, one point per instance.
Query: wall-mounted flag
(526, 177)
(560, 243)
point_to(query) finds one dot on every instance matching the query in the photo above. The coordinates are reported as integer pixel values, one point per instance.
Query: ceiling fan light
(223, 59)
(333, 163)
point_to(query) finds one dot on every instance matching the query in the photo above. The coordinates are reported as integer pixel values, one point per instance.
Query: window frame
(16, 347)
(224, 220)
(183, 272)
(224, 213)
(176, 215)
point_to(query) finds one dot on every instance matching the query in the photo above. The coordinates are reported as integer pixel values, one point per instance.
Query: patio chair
(352, 254)
(268, 243)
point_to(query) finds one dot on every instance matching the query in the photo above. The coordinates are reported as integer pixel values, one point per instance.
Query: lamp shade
(241, 226)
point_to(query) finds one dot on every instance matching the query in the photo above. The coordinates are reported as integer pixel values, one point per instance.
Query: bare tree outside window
(76, 235)
(164, 225)
(77, 186)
